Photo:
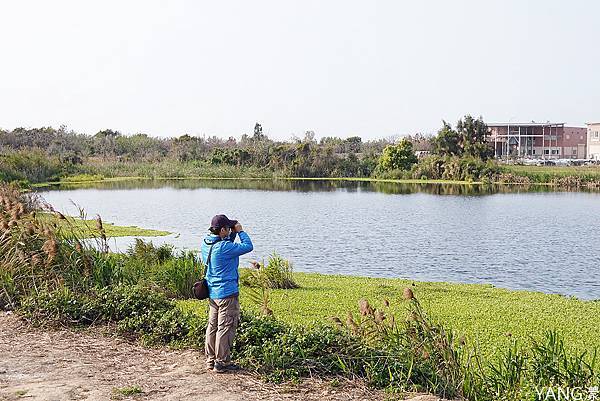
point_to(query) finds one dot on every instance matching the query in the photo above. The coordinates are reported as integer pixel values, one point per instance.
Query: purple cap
(220, 221)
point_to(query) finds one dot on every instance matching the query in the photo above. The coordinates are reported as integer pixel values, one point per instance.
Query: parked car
(546, 163)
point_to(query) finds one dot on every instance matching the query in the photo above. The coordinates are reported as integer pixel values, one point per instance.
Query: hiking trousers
(223, 319)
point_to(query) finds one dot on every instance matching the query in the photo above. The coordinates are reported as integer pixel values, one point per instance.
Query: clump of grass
(261, 279)
(177, 274)
(147, 252)
(128, 390)
(33, 253)
(82, 178)
(277, 273)
(551, 363)
(432, 352)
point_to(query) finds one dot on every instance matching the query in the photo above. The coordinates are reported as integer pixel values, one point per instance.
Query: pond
(513, 237)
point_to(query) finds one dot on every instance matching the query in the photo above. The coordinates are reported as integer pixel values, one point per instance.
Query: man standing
(221, 256)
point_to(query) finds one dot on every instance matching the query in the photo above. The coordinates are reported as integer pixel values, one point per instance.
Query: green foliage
(469, 139)
(83, 178)
(177, 275)
(30, 165)
(277, 273)
(448, 142)
(482, 312)
(282, 352)
(148, 253)
(61, 305)
(46, 154)
(397, 157)
(430, 167)
(128, 391)
(564, 176)
(232, 157)
(466, 168)
(137, 310)
(473, 133)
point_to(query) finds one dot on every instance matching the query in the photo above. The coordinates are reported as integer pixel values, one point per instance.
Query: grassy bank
(87, 228)
(511, 174)
(80, 181)
(553, 174)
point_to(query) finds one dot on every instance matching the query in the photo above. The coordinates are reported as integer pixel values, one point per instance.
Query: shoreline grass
(88, 227)
(523, 175)
(538, 178)
(355, 179)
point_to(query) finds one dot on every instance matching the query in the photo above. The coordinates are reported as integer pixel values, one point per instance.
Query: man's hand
(238, 228)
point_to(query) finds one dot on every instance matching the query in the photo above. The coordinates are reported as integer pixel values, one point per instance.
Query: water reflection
(310, 185)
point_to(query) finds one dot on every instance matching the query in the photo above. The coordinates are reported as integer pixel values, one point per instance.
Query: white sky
(368, 68)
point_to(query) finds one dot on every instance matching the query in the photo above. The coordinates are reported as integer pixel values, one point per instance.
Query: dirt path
(57, 365)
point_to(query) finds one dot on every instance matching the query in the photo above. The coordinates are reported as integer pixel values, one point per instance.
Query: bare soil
(96, 364)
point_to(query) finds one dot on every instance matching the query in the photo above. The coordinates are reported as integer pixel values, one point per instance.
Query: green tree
(447, 142)
(474, 134)
(469, 139)
(397, 157)
(258, 133)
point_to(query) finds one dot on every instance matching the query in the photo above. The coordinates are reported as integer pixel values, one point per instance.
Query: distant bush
(31, 165)
(466, 168)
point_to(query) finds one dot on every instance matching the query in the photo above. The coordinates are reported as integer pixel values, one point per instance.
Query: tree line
(42, 154)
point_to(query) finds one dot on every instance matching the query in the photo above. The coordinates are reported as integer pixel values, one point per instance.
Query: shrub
(177, 275)
(148, 253)
(31, 165)
(137, 310)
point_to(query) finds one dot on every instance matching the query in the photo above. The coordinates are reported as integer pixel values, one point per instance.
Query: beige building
(593, 140)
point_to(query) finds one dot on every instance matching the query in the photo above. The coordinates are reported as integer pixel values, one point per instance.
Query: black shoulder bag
(200, 288)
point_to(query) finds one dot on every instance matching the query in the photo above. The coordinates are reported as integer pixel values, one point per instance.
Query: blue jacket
(222, 275)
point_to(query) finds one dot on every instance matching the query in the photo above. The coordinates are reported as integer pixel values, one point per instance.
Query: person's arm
(235, 249)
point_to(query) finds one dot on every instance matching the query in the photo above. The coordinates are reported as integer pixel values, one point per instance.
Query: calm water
(521, 238)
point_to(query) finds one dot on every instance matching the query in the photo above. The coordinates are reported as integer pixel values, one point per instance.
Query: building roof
(529, 124)
(592, 123)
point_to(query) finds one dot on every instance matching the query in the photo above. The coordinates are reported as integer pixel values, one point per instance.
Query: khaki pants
(223, 318)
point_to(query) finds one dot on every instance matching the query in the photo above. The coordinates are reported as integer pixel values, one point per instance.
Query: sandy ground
(94, 364)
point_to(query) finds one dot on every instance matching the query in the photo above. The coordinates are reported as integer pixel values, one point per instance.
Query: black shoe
(220, 368)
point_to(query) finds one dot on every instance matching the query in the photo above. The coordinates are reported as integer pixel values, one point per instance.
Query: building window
(554, 151)
(546, 152)
(574, 151)
(534, 151)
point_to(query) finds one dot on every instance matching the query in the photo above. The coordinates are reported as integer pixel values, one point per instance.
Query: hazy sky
(368, 68)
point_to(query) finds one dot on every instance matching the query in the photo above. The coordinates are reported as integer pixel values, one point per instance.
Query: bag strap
(210, 253)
